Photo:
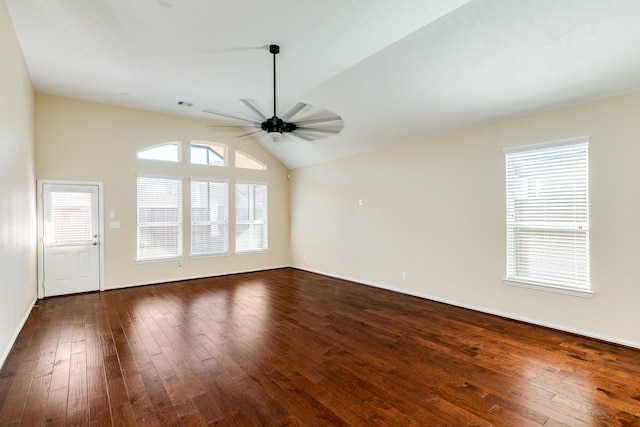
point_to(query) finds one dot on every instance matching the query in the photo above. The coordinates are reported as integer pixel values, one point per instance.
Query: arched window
(208, 153)
(168, 152)
(245, 161)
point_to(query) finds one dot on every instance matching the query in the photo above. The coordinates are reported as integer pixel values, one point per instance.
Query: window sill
(152, 260)
(250, 252)
(203, 256)
(549, 288)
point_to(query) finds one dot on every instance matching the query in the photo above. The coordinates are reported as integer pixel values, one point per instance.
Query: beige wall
(17, 188)
(436, 210)
(82, 141)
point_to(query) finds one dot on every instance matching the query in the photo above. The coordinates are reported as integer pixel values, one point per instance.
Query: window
(245, 161)
(209, 212)
(71, 217)
(159, 218)
(207, 153)
(160, 203)
(251, 217)
(169, 152)
(548, 216)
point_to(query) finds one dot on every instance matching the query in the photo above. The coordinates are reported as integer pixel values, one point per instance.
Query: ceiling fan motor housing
(276, 124)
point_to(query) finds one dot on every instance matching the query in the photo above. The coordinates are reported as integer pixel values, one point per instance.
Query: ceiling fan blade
(301, 136)
(201, 52)
(250, 133)
(230, 126)
(293, 111)
(318, 120)
(249, 104)
(232, 117)
(321, 130)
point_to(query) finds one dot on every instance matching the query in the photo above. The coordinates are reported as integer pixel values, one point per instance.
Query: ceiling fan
(314, 127)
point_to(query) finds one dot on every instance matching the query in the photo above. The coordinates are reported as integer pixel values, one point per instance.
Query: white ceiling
(396, 71)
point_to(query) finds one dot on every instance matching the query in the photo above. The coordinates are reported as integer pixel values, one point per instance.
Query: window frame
(179, 223)
(209, 145)
(250, 228)
(551, 216)
(195, 223)
(178, 145)
(250, 222)
(263, 165)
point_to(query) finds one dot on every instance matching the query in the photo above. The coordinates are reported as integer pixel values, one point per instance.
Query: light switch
(114, 224)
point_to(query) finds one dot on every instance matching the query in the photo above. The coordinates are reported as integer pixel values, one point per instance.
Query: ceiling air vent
(185, 103)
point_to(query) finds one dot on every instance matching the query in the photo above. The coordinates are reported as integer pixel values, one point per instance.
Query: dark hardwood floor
(287, 347)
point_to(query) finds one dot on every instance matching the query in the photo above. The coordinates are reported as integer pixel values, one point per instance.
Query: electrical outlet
(404, 275)
(179, 265)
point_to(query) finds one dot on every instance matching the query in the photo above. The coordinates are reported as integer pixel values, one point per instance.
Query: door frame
(40, 206)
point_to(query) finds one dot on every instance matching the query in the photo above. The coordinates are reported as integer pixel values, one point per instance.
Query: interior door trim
(40, 206)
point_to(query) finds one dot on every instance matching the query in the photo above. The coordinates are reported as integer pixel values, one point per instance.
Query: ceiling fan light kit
(276, 127)
(275, 136)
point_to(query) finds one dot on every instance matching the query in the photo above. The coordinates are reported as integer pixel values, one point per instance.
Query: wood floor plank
(56, 408)
(18, 386)
(99, 411)
(291, 348)
(78, 397)
(35, 404)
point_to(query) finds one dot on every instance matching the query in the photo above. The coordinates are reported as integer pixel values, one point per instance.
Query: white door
(70, 239)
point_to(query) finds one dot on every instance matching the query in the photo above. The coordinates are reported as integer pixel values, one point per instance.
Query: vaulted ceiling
(395, 71)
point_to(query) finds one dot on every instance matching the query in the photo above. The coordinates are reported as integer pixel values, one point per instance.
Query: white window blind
(71, 217)
(251, 217)
(209, 217)
(548, 214)
(159, 217)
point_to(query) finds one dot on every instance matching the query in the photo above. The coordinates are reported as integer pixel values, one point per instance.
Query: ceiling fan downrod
(275, 126)
(274, 49)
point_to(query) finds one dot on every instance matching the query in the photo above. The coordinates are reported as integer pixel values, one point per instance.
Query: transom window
(168, 152)
(245, 161)
(207, 153)
(548, 215)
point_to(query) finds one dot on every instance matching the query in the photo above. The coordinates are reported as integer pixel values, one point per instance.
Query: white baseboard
(588, 334)
(16, 333)
(226, 273)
